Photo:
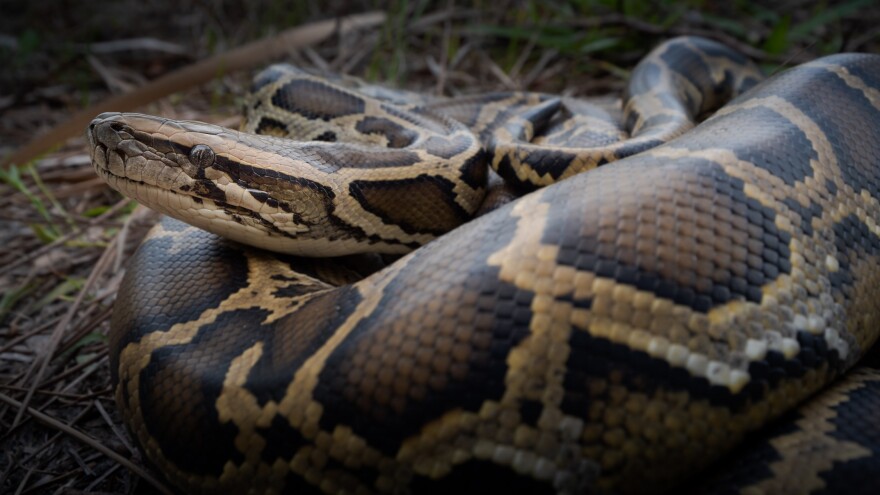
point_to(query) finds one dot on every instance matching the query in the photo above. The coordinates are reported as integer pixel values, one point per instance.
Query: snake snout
(99, 119)
(111, 132)
(106, 134)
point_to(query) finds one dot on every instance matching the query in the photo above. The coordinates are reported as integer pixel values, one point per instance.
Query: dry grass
(66, 236)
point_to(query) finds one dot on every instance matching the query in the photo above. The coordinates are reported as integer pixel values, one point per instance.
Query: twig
(42, 484)
(80, 160)
(113, 83)
(368, 46)
(538, 70)
(113, 427)
(131, 44)
(101, 478)
(91, 442)
(67, 386)
(315, 58)
(51, 441)
(429, 20)
(60, 395)
(498, 72)
(245, 57)
(524, 56)
(24, 481)
(461, 54)
(101, 354)
(66, 237)
(78, 459)
(84, 329)
(58, 333)
(444, 51)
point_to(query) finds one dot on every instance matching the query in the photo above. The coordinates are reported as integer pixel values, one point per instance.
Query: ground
(66, 236)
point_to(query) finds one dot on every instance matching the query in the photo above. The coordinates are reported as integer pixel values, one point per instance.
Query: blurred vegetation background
(66, 235)
(53, 52)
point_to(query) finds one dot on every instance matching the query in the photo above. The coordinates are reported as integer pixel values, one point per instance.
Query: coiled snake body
(617, 331)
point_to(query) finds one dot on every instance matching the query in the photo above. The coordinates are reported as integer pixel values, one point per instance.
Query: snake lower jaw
(154, 173)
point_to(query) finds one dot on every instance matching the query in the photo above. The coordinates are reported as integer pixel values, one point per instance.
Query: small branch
(245, 57)
(91, 442)
(132, 44)
(57, 334)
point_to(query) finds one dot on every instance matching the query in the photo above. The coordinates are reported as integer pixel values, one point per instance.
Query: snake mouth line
(127, 176)
(238, 223)
(143, 162)
(224, 219)
(147, 158)
(177, 203)
(177, 157)
(186, 207)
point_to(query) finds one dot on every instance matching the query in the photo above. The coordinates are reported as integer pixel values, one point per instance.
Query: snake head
(205, 175)
(254, 189)
(163, 164)
(152, 150)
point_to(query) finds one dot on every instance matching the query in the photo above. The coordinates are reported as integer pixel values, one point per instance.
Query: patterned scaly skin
(616, 332)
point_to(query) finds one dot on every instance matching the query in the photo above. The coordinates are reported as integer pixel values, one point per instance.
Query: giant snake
(629, 328)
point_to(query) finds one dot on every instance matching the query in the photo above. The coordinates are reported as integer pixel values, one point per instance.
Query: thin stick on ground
(245, 57)
(91, 442)
(57, 334)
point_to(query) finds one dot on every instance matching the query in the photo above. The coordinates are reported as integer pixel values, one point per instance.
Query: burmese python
(618, 331)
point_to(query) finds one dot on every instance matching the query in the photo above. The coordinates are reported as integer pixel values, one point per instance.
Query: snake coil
(622, 330)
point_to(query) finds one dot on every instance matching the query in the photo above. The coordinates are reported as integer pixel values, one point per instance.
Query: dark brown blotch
(397, 135)
(271, 127)
(315, 100)
(424, 205)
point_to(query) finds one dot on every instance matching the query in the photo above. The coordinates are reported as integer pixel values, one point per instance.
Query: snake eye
(201, 156)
